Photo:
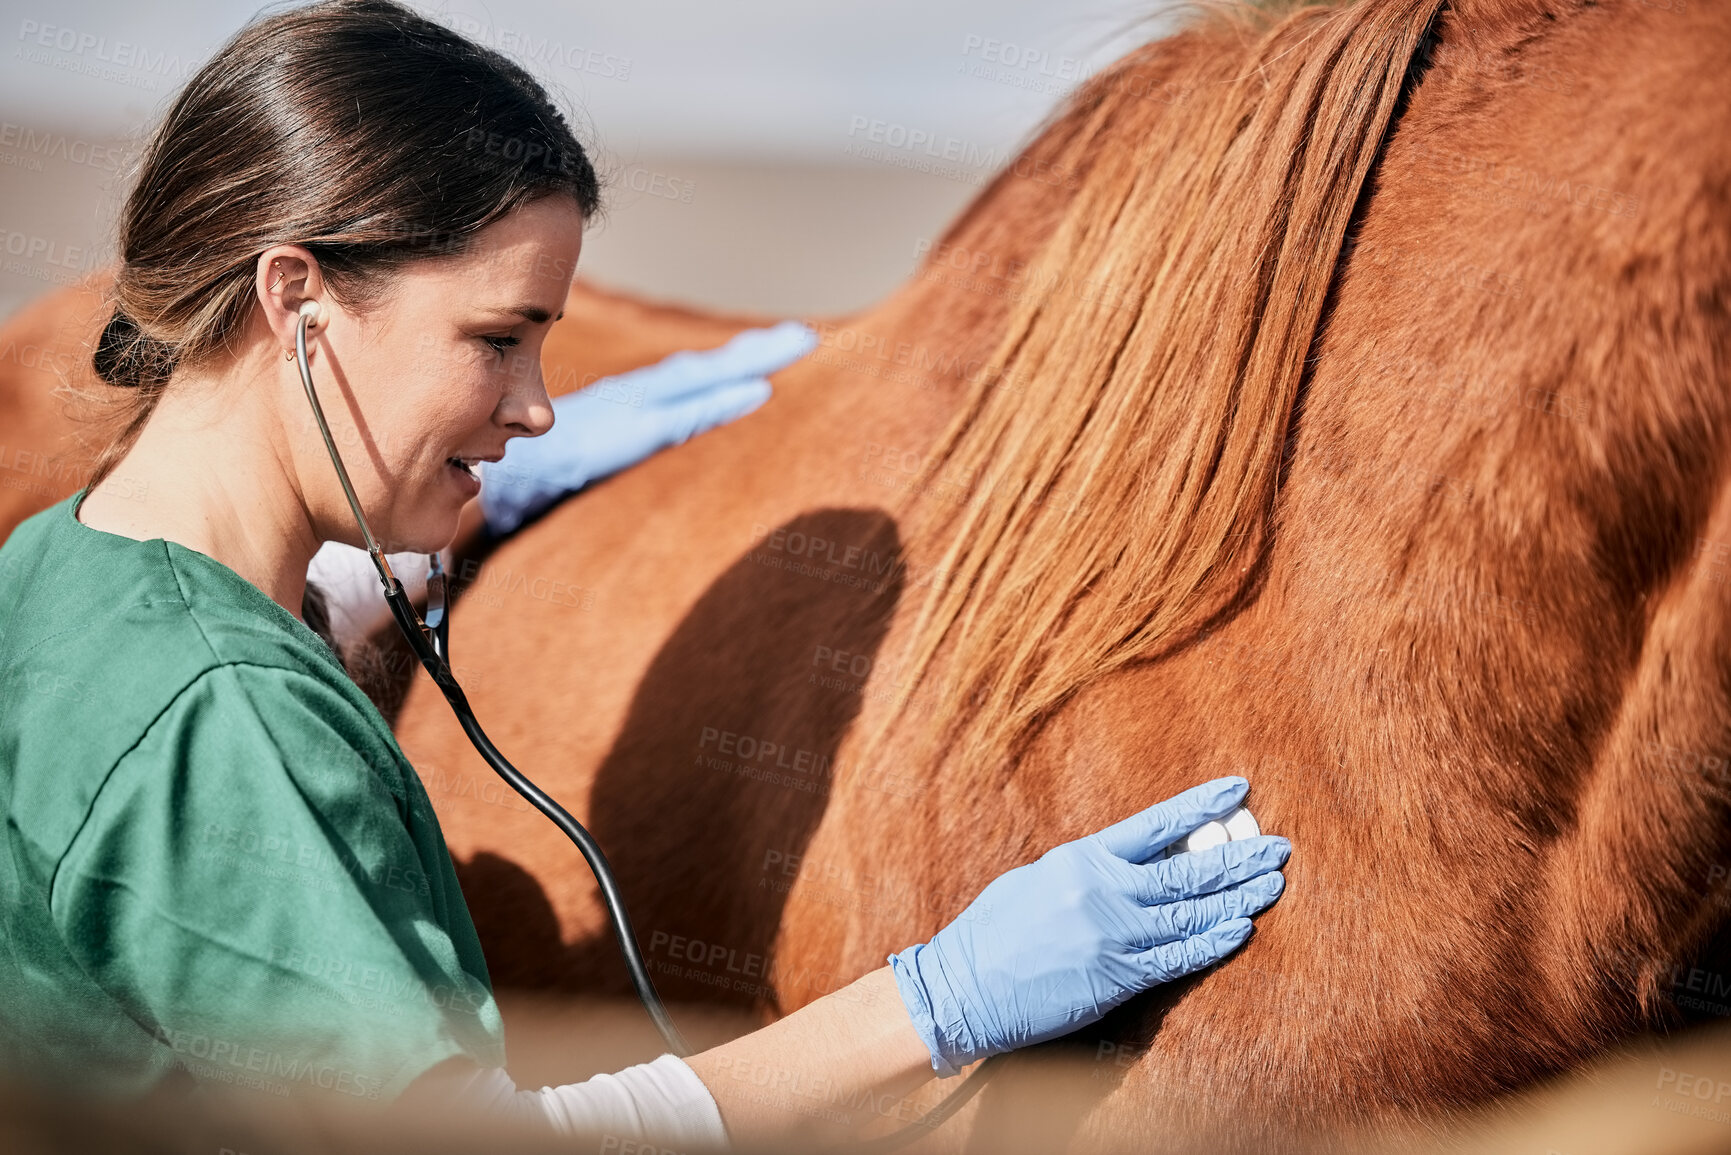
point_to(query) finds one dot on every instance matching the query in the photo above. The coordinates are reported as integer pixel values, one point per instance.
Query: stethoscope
(430, 639)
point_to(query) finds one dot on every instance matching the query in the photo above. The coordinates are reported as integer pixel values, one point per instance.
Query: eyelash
(500, 344)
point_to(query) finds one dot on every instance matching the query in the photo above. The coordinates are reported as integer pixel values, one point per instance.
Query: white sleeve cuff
(663, 1101)
(354, 596)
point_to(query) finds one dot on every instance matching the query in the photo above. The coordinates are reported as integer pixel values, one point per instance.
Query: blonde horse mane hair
(1125, 485)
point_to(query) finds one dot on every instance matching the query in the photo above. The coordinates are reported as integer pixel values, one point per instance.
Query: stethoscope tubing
(432, 646)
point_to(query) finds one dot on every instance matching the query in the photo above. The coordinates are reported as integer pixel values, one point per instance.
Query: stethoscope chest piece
(1240, 824)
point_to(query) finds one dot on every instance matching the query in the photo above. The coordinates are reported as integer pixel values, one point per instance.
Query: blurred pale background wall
(765, 155)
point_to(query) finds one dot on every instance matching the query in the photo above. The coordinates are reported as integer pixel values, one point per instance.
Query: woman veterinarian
(164, 705)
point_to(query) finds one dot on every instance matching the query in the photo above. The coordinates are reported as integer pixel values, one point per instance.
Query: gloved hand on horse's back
(618, 421)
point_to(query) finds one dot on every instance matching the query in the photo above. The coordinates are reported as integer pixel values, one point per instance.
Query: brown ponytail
(125, 356)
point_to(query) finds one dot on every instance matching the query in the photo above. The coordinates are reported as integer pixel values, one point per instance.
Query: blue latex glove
(1053, 945)
(618, 421)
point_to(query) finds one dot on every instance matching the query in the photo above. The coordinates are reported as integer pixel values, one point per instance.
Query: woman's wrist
(916, 999)
(825, 1073)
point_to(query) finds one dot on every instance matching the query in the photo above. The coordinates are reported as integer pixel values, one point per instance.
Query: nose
(524, 408)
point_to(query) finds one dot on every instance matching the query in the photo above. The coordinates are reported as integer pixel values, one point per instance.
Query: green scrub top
(216, 858)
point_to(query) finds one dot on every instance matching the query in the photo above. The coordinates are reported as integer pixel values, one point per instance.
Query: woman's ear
(286, 277)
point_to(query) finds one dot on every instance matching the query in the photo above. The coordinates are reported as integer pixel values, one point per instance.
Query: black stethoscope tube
(432, 646)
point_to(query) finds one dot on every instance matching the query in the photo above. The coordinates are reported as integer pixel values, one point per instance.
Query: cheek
(450, 408)
(469, 402)
(444, 381)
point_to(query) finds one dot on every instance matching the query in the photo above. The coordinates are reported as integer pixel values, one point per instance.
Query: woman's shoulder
(152, 612)
(105, 638)
(60, 578)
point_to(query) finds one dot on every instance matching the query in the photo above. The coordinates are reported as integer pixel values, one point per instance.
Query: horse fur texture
(1467, 632)
(1477, 671)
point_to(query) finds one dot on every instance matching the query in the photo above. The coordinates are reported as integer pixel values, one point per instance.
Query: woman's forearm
(824, 1073)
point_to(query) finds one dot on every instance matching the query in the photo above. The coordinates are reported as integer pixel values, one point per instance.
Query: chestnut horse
(1339, 399)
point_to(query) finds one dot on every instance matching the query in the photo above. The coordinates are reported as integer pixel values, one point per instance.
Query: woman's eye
(500, 344)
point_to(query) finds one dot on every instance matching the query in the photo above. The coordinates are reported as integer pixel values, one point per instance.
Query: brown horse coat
(1477, 672)
(1480, 681)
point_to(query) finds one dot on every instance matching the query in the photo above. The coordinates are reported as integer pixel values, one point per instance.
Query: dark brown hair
(357, 128)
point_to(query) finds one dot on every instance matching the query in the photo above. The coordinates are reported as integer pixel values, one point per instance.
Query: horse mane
(1121, 460)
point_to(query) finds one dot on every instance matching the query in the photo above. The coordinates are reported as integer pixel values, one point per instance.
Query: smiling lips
(464, 472)
(468, 464)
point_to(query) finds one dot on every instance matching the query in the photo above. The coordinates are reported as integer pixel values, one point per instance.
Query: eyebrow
(532, 313)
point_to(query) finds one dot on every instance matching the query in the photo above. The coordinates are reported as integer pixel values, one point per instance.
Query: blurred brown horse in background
(1340, 399)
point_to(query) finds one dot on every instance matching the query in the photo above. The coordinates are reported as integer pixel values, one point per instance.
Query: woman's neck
(206, 472)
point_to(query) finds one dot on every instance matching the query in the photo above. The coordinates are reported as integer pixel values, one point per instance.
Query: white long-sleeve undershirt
(663, 1102)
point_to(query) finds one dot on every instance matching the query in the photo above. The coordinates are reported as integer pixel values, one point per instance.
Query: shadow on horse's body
(1467, 635)
(1478, 675)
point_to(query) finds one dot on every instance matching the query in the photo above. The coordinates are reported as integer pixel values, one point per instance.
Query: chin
(426, 532)
(431, 542)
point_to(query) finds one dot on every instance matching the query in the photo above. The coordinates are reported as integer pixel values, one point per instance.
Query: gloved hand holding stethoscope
(1052, 946)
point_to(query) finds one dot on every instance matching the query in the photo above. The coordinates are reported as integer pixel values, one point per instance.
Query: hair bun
(125, 356)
